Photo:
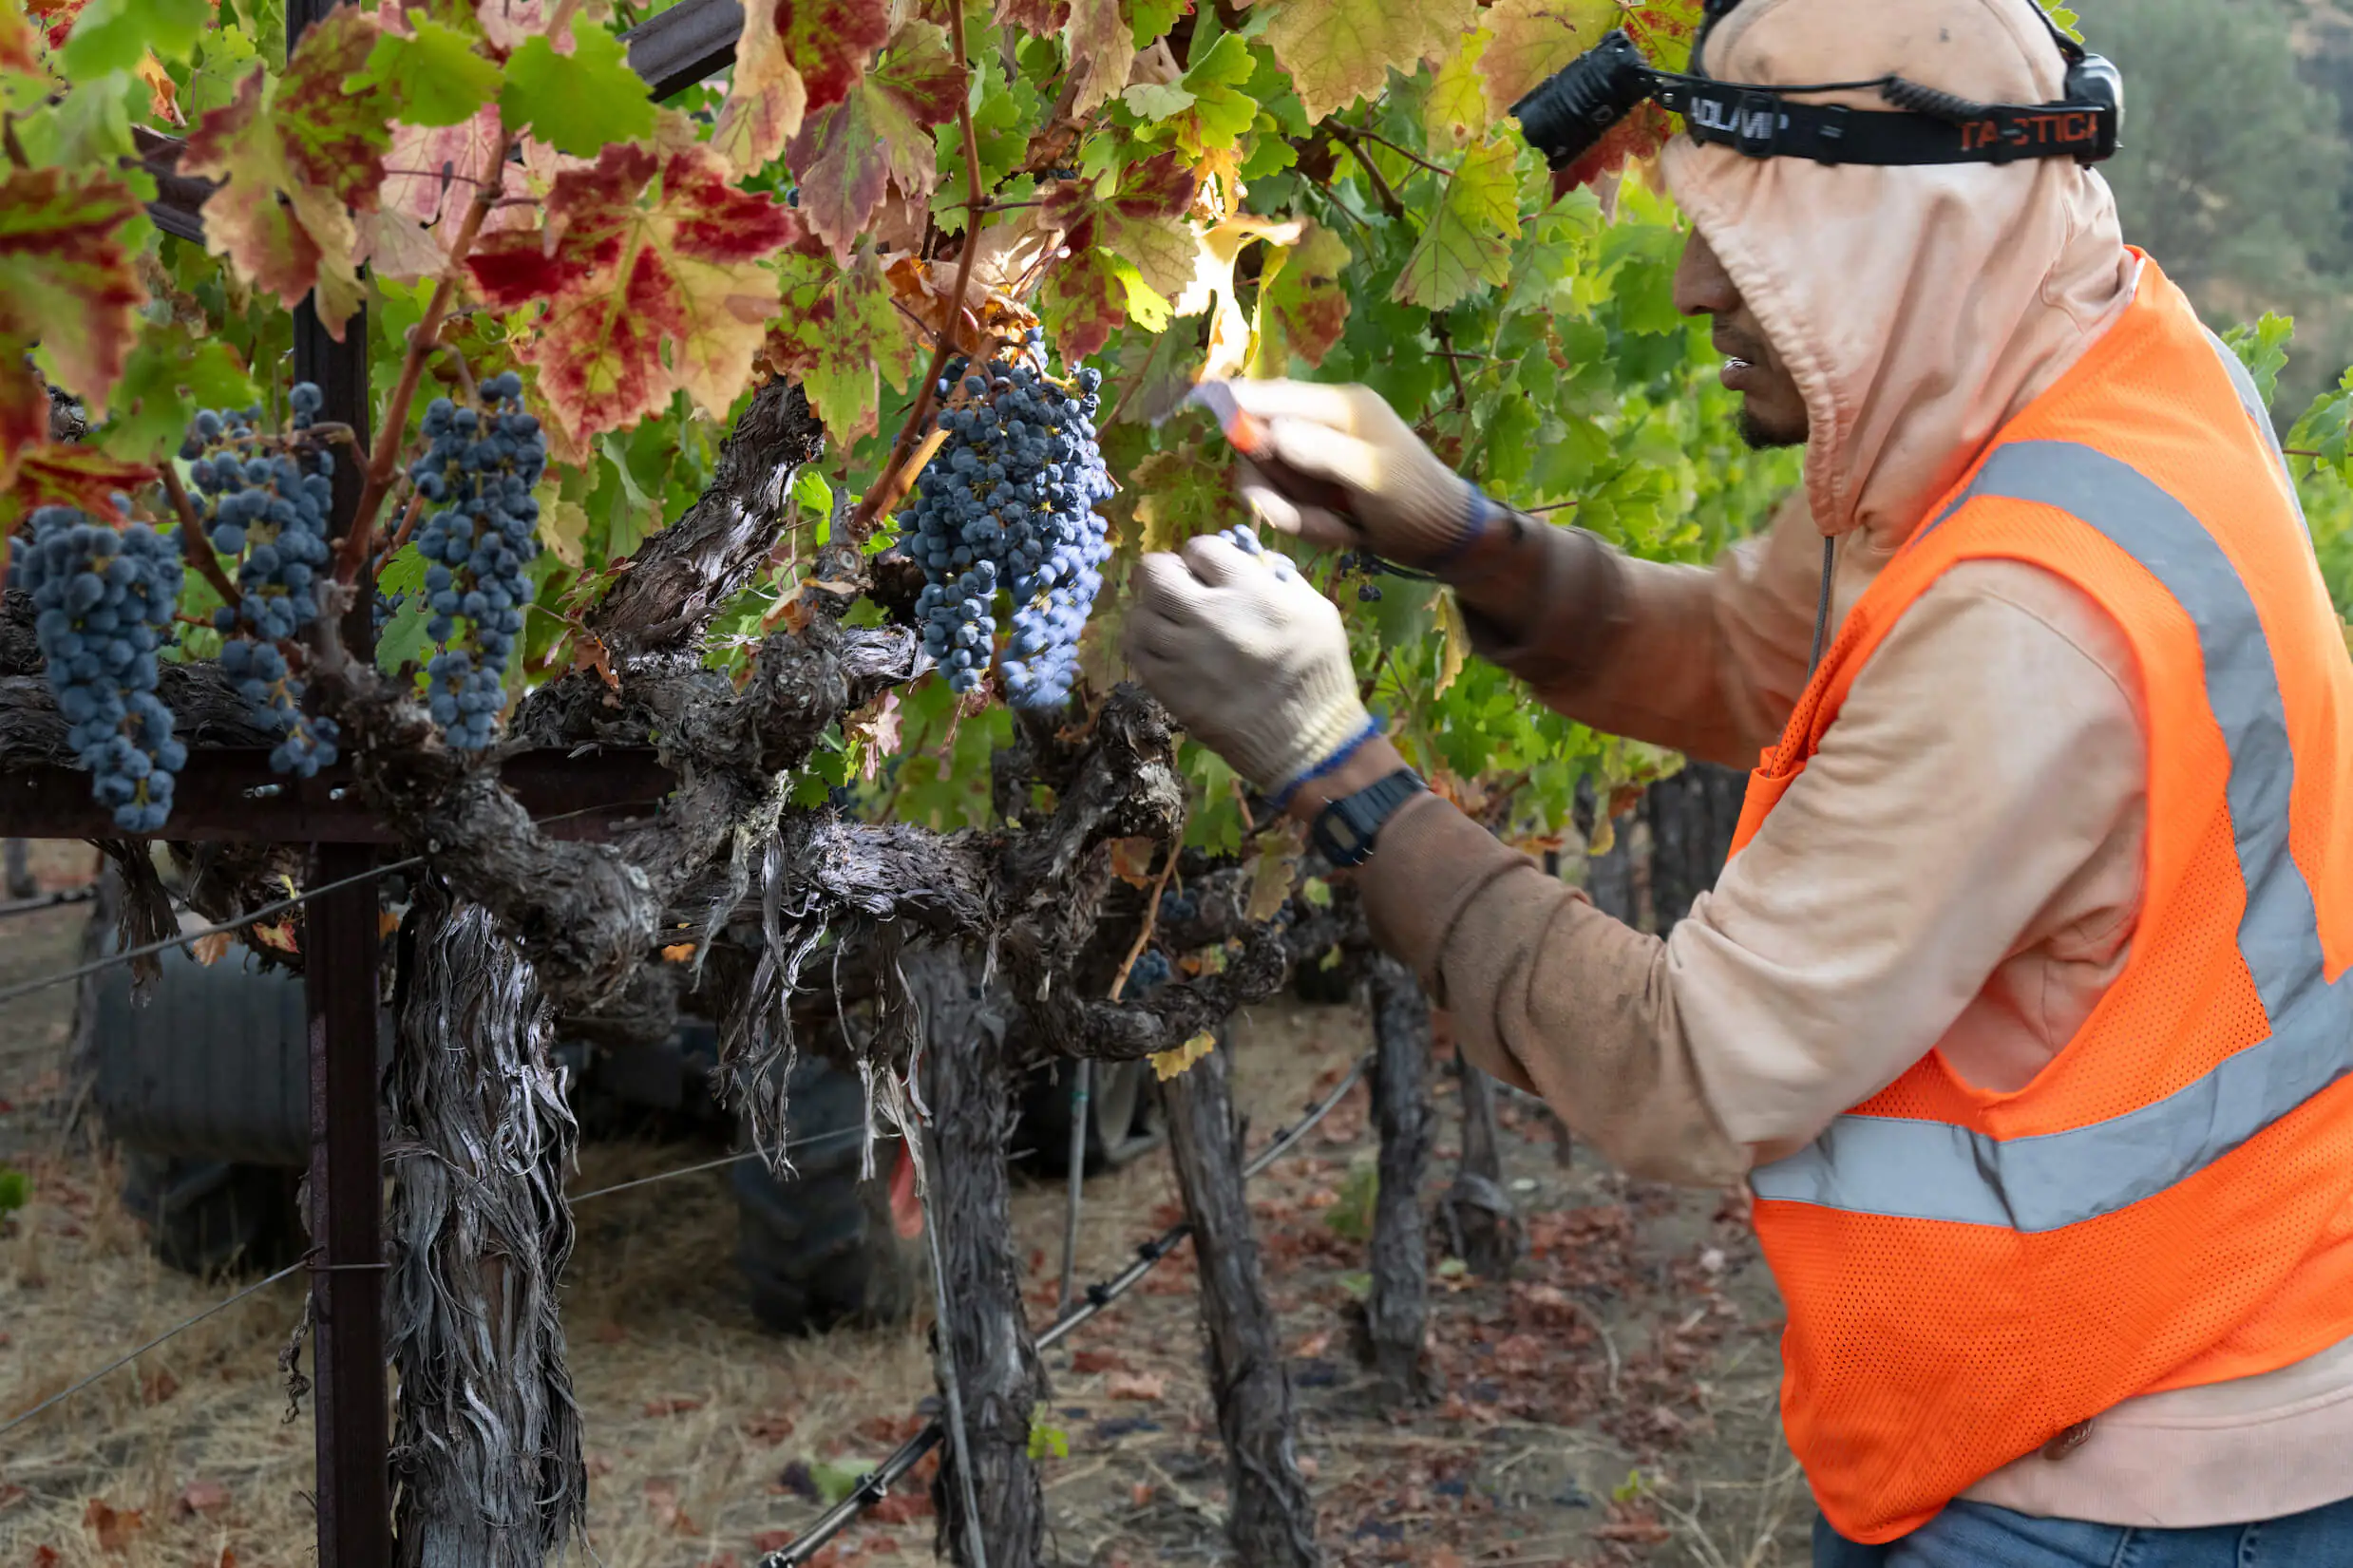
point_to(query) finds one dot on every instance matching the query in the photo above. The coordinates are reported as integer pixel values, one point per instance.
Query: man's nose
(1702, 287)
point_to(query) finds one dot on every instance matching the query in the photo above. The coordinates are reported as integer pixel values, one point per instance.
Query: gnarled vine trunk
(1270, 1518)
(1398, 1313)
(486, 1463)
(969, 1080)
(1482, 1227)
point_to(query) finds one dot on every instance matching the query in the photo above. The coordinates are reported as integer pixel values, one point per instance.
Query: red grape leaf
(294, 159)
(1038, 16)
(625, 273)
(19, 52)
(1302, 309)
(837, 335)
(71, 474)
(1086, 295)
(65, 282)
(1638, 135)
(880, 132)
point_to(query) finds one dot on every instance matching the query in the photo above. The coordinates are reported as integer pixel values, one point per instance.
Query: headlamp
(1571, 111)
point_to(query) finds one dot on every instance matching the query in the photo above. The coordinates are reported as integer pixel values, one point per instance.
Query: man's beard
(1763, 437)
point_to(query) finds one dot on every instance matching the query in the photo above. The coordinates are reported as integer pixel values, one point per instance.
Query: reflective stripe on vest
(1931, 1170)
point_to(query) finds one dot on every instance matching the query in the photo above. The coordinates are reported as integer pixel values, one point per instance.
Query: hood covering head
(1918, 307)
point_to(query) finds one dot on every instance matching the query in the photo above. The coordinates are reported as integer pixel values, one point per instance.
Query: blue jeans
(1976, 1535)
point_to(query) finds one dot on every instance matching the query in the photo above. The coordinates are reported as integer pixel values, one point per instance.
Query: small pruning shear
(1250, 437)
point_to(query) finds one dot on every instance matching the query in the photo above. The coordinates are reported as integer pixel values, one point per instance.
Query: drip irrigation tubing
(876, 1484)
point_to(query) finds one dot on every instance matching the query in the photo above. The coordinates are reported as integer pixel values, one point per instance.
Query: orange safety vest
(2169, 1201)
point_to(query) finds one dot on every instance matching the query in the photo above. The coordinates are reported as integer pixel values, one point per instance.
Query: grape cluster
(478, 470)
(1008, 503)
(264, 502)
(103, 598)
(1369, 566)
(1151, 969)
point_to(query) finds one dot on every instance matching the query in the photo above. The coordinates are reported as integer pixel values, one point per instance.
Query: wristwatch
(1345, 828)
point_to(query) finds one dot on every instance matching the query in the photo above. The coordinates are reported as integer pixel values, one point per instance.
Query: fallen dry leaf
(676, 1406)
(201, 1497)
(770, 1428)
(1314, 1345)
(1136, 1386)
(661, 1500)
(1085, 1363)
(45, 1556)
(113, 1526)
(1140, 1494)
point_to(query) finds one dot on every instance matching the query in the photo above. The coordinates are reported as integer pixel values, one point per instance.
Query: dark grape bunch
(1370, 566)
(1008, 503)
(104, 600)
(478, 470)
(264, 502)
(1150, 971)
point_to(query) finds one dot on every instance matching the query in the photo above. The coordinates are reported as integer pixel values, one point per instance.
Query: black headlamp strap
(1765, 125)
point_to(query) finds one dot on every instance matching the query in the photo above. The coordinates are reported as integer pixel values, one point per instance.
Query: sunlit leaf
(1302, 306)
(879, 134)
(1466, 245)
(1341, 51)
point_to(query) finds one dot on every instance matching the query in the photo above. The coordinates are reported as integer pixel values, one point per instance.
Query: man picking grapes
(2021, 1004)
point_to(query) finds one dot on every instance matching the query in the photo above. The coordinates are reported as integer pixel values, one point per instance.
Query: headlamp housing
(1567, 114)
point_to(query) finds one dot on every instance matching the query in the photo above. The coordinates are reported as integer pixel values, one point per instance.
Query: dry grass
(694, 1414)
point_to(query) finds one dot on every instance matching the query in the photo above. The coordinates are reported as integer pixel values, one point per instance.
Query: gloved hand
(1250, 659)
(1403, 504)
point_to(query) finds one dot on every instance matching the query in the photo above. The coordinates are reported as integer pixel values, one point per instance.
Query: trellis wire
(823, 1139)
(48, 900)
(876, 1484)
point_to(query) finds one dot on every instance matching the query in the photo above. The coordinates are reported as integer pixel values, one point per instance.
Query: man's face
(1772, 412)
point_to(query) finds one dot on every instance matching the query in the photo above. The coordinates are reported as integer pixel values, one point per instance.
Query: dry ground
(1610, 1404)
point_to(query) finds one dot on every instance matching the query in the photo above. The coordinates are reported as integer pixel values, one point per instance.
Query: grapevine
(479, 467)
(103, 598)
(1008, 503)
(263, 502)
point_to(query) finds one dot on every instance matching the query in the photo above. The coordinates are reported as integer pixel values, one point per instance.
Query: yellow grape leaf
(1466, 245)
(1270, 876)
(1341, 51)
(1132, 860)
(563, 528)
(1455, 114)
(387, 923)
(650, 284)
(1169, 1063)
(1212, 287)
(294, 161)
(1456, 646)
(280, 935)
(677, 953)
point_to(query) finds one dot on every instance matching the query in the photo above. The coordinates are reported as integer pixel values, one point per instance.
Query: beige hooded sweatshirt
(1958, 867)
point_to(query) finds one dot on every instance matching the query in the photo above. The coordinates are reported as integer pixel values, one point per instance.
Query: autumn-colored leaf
(204, 1497)
(1038, 16)
(293, 159)
(1175, 1062)
(19, 42)
(840, 336)
(45, 1556)
(113, 1528)
(1211, 287)
(1089, 1363)
(677, 953)
(1465, 243)
(793, 60)
(848, 154)
(1531, 39)
(1455, 651)
(210, 950)
(1302, 309)
(1100, 53)
(1341, 51)
(71, 474)
(67, 283)
(1143, 1386)
(645, 295)
(679, 1405)
(433, 171)
(1090, 293)
(1455, 114)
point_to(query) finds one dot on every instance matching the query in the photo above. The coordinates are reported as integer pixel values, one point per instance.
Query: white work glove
(1250, 659)
(1401, 503)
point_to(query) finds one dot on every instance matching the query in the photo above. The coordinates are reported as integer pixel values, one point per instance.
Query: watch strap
(1345, 828)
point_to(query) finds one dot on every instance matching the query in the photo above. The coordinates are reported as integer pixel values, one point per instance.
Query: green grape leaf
(847, 156)
(66, 282)
(1149, 19)
(434, 75)
(1217, 114)
(1466, 245)
(115, 35)
(1341, 51)
(839, 335)
(577, 103)
(170, 370)
(1455, 115)
(649, 290)
(295, 160)
(2262, 346)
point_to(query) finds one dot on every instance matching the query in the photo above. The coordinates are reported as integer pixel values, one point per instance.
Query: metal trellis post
(339, 969)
